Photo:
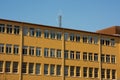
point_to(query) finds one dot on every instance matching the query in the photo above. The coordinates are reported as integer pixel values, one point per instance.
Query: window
(66, 36)
(108, 58)
(8, 48)
(38, 51)
(108, 73)
(24, 51)
(25, 31)
(16, 29)
(52, 35)
(31, 66)
(16, 49)
(38, 33)
(46, 34)
(103, 73)
(2, 28)
(71, 54)
(45, 69)
(84, 71)
(24, 67)
(113, 59)
(52, 69)
(46, 52)
(77, 71)
(102, 58)
(66, 54)
(71, 70)
(31, 51)
(77, 38)
(52, 52)
(59, 35)
(32, 31)
(112, 42)
(90, 39)
(84, 39)
(102, 42)
(7, 66)
(95, 40)
(95, 57)
(90, 56)
(71, 37)
(58, 53)
(66, 70)
(15, 67)
(58, 70)
(90, 72)
(1, 66)
(37, 71)
(113, 74)
(78, 55)
(9, 29)
(107, 42)
(84, 55)
(1, 48)
(96, 73)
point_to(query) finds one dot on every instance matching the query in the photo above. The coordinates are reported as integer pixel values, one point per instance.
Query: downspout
(100, 51)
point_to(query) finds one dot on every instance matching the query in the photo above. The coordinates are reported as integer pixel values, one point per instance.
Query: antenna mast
(60, 21)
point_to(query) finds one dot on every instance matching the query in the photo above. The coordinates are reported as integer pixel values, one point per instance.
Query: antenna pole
(60, 21)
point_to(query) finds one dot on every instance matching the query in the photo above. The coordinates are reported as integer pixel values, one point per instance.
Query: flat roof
(59, 27)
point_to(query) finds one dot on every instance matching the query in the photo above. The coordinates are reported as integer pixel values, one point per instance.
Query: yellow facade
(39, 52)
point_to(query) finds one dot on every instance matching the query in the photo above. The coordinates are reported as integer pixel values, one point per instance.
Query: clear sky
(89, 15)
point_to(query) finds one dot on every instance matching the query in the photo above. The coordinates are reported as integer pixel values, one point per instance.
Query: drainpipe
(100, 51)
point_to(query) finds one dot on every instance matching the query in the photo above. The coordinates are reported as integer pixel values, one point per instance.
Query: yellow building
(38, 52)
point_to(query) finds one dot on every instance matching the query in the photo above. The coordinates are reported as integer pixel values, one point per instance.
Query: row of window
(57, 53)
(55, 35)
(94, 57)
(9, 29)
(52, 69)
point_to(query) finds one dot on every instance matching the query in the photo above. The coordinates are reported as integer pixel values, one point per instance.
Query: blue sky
(89, 15)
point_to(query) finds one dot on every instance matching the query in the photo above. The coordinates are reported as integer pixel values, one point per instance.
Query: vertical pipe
(63, 60)
(100, 51)
(20, 51)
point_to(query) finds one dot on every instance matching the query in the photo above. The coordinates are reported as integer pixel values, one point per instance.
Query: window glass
(7, 66)
(77, 71)
(71, 37)
(108, 58)
(46, 34)
(31, 67)
(77, 55)
(96, 72)
(1, 48)
(2, 28)
(66, 36)
(1, 66)
(52, 52)
(45, 69)
(16, 29)
(90, 57)
(71, 70)
(66, 54)
(25, 31)
(38, 33)
(24, 67)
(84, 39)
(52, 35)
(95, 40)
(113, 58)
(24, 51)
(113, 74)
(32, 31)
(8, 48)
(77, 38)
(9, 29)
(52, 69)
(59, 35)
(58, 70)
(102, 58)
(15, 67)
(84, 71)
(37, 71)
(90, 72)
(71, 54)
(95, 57)
(84, 55)
(46, 52)
(16, 49)
(38, 51)
(66, 70)
(58, 53)
(103, 73)
(90, 39)
(31, 51)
